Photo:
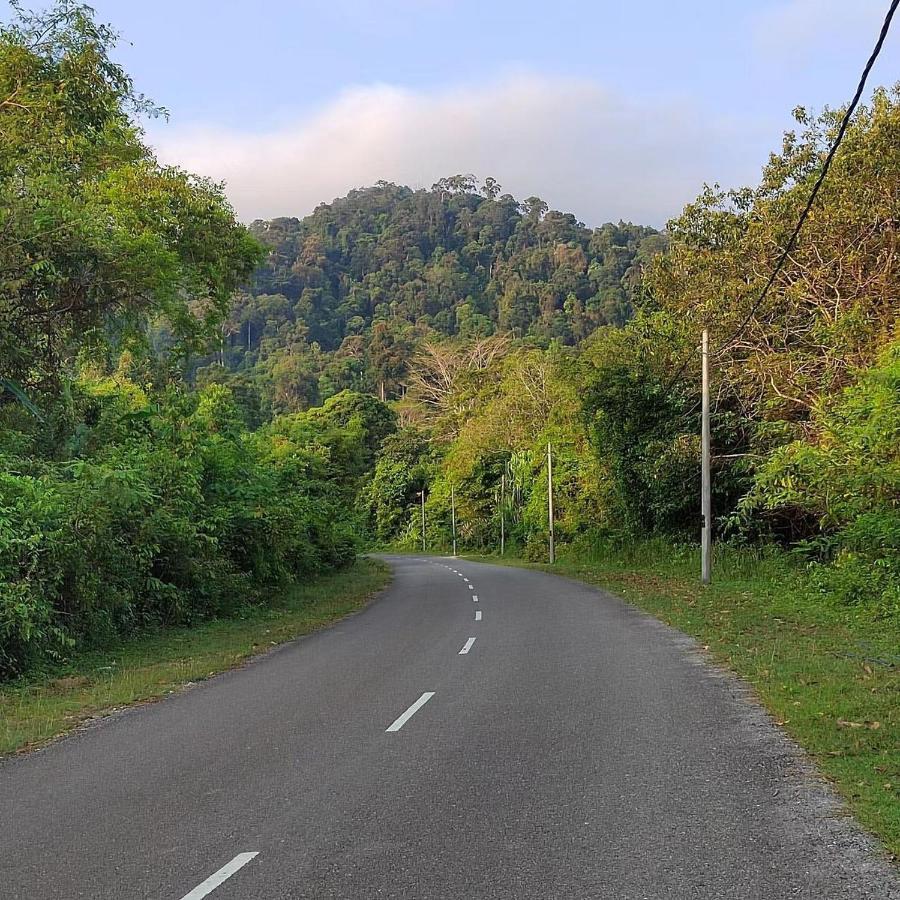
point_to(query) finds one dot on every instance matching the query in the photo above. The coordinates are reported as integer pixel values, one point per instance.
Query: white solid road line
(217, 878)
(398, 723)
(477, 615)
(475, 597)
(467, 646)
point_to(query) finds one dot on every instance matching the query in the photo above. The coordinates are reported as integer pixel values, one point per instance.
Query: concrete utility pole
(422, 494)
(705, 488)
(453, 516)
(502, 514)
(550, 502)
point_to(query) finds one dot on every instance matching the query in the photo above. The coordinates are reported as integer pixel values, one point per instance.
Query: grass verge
(36, 709)
(828, 674)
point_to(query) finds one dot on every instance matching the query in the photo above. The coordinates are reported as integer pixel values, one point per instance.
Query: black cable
(845, 123)
(825, 167)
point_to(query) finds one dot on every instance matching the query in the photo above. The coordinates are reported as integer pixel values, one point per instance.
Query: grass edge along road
(829, 677)
(38, 708)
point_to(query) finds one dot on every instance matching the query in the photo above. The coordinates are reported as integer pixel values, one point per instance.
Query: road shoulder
(40, 709)
(823, 679)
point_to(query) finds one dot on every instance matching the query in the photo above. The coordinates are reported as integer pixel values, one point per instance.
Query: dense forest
(346, 295)
(193, 412)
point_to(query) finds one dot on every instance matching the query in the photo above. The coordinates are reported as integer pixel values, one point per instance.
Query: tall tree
(96, 237)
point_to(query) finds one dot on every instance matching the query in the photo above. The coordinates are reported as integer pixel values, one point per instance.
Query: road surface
(477, 732)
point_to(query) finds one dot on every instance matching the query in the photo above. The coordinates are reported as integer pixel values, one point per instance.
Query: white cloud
(569, 141)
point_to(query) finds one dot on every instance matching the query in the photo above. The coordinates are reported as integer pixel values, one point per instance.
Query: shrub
(165, 515)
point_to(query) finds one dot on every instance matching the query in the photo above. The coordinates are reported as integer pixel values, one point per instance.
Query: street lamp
(453, 515)
(422, 495)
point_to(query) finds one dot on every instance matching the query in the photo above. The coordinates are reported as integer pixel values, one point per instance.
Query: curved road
(543, 741)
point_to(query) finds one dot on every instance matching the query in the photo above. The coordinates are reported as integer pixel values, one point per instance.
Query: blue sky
(608, 109)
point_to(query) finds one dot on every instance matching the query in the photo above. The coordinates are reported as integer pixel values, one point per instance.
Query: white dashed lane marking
(400, 721)
(217, 878)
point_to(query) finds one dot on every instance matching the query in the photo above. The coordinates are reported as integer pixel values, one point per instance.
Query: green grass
(828, 674)
(37, 709)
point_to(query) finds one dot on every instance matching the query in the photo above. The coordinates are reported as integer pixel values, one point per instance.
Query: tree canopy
(347, 294)
(96, 238)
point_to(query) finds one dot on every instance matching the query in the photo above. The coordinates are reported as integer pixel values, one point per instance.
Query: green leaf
(139, 415)
(20, 395)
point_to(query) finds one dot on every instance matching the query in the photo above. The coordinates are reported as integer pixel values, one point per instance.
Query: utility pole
(422, 494)
(502, 514)
(705, 490)
(453, 515)
(550, 501)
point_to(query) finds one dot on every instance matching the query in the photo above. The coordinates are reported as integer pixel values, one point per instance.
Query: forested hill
(348, 292)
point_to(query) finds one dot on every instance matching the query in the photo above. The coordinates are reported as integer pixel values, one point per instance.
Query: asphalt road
(576, 749)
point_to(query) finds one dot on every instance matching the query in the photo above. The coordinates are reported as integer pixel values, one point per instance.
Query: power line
(845, 123)
(825, 167)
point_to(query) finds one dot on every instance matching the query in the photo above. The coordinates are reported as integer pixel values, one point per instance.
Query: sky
(610, 110)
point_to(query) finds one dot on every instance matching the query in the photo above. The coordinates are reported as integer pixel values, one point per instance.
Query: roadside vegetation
(131, 502)
(55, 699)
